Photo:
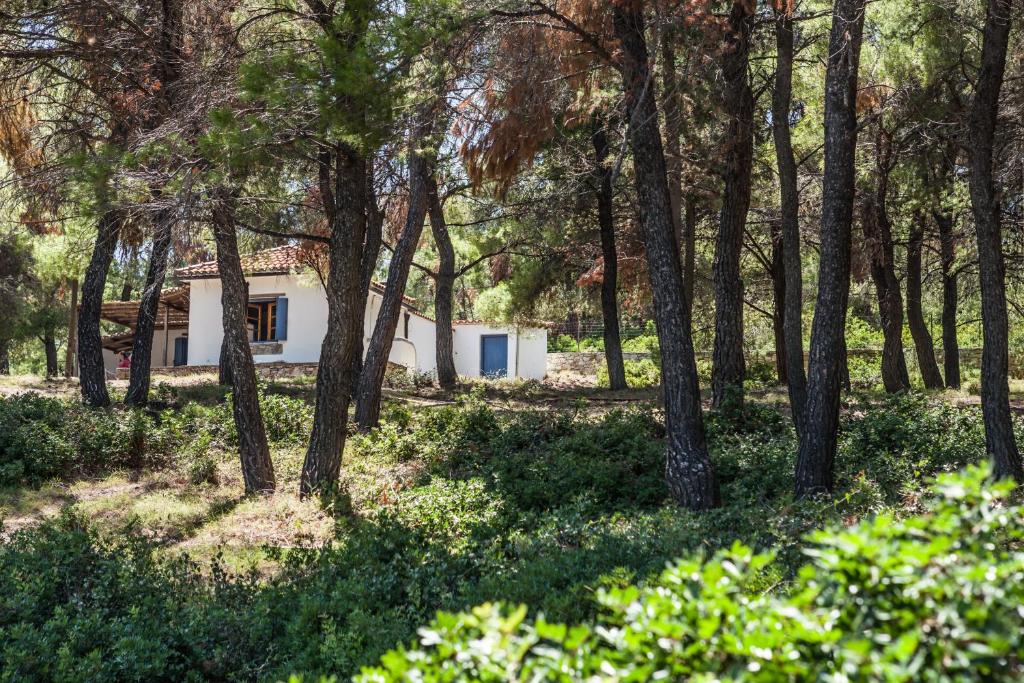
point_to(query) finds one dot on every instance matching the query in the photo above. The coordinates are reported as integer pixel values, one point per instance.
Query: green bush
(562, 343)
(551, 508)
(43, 438)
(640, 374)
(643, 343)
(932, 597)
(287, 419)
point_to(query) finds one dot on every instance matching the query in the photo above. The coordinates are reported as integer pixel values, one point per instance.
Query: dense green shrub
(932, 597)
(287, 419)
(42, 438)
(561, 343)
(904, 439)
(643, 343)
(640, 374)
(549, 508)
(539, 460)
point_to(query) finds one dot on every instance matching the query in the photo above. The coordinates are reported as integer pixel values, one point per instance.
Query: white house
(288, 322)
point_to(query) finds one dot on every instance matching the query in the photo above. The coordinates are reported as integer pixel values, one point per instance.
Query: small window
(262, 320)
(407, 316)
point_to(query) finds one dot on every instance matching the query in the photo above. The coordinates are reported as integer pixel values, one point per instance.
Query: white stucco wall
(527, 350)
(307, 323)
(533, 353)
(418, 350)
(307, 319)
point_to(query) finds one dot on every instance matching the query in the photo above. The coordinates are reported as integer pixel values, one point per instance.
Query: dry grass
(202, 519)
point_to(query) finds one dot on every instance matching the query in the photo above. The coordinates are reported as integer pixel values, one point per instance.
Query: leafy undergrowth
(935, 596)
(453, 506)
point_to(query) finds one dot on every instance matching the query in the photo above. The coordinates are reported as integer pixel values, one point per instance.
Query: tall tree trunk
(689, 252)
(779, 304)
(671, 98)
(371, 380)
(257, 467)
(727, 367)
(129, 274)
(346, 203)
(444, 285)
(69, 354)
(790, 205)
(171, 48)
(950, 300)
(816, 456)
(371, 251)
(609, 284)
(995, 391)
(878, 236)
(688, 470)
(149, 306)
(50, 349)
(92, 375)
(923, 345)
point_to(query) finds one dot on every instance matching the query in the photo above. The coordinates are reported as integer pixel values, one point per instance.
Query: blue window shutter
(281, 333)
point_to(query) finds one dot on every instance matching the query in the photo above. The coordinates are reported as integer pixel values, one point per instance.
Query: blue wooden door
(494, 355)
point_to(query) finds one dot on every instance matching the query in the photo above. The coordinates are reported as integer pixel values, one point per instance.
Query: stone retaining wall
(266, 370)
(588, 363)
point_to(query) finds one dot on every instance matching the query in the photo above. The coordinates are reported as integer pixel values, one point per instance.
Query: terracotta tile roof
(277, 261)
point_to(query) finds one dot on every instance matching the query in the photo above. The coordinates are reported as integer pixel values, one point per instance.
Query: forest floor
(539, 494)
(215, 519)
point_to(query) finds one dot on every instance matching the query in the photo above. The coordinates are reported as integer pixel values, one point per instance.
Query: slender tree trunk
(727, 367)
(169, 68)
(995, 391)
(672, 109)
(790, 205)
(129, 274)
(779, 304)
(609, 284)
(149, 306)
(257, 468)
(816, 457)
(878, 236)
(688, 470)
(444, 284)
(92, 374)
(50, 349)
(346, 203)
(5, 356)
(69, 355)
(923, 345)
(371, 251)
(950, 300)
(689, 252)
(376, 364)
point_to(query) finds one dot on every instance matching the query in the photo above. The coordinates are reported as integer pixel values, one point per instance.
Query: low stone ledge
(275, 370)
